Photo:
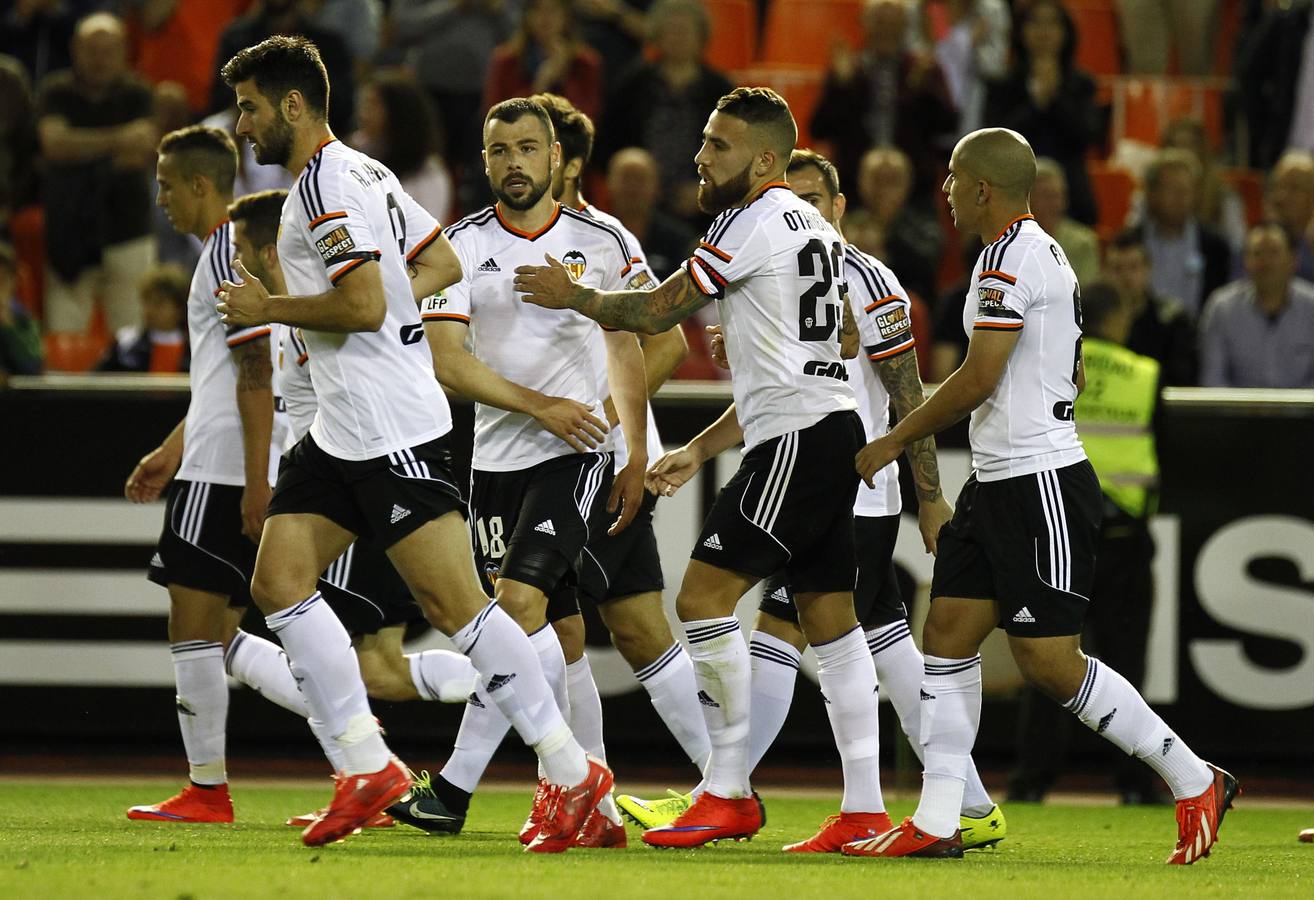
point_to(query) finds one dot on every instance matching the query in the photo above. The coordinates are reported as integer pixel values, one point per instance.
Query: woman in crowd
(546, 54)
(399, 128)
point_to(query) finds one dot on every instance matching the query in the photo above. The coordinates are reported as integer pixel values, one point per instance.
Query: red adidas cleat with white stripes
(1199, 818)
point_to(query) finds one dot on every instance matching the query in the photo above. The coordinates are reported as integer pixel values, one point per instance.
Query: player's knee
(570, 634)
(1046, 669)
(522, 602)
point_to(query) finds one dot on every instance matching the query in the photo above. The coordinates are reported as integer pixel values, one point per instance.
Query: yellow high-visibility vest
(1114, 417)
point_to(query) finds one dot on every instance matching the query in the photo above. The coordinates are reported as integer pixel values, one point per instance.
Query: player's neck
(760, 185)
(306, 144)
(996, 222)
(529, 220)
(213, 214)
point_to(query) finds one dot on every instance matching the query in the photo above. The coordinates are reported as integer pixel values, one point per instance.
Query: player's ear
(269, 257)
(554, 158)
(839, 204)
(293, 105)
(483, 154)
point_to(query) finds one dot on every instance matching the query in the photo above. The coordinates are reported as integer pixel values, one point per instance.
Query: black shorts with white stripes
(877, 600)
(202, 545)
(384, 498)
(365, 591)
(625, 564)
(530, 525)
(1028, 543)
(789, 509)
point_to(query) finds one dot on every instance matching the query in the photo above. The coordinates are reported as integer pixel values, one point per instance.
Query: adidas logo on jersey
(713, 542)
(705, 699)
(1024, 615)
(546, 527)
(398, 513)
(489, 265)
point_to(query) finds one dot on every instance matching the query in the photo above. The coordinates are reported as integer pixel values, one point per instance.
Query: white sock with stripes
(442, 675)
(262, 666)
(1108, 705)
(202, 701)
(775, 669)
(669, 681)
(899, 669)
(322, 661)
(951, 714)
(724, 675)
(586, 720)
(848, 685)
(482, 729)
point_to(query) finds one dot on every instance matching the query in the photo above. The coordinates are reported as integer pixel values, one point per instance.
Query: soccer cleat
(842, 829)
(382, 820)
(600, 833)
(654, 813)
(907, 840)
(567, 809)
(1199, 818)
(710, 819)
(986, 831)
(192, 804)
(422, 809)
(356, 800)
(529, 830)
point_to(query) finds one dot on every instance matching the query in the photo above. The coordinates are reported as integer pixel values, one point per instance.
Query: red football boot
(357, 799)
(529, 830)
(907, 840)
(566, 809)
(382, 820)
(709, 819)
(1199, 818)
(842, 829)
(192, 804)
(599, 832)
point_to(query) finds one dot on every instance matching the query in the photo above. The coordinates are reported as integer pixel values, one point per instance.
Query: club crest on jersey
(892, 323)
(575, 264)
(335, 243)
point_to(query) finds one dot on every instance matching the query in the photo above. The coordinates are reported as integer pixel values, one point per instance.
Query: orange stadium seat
(1143, 106)
(803, 33)
(733, 43)
(1113, 189)
(28, 228)
(67, 352)
(801, 89)
(1249, 184)
(1098, 45)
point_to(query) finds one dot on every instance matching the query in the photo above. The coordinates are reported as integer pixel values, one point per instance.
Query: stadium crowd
(1176, 138)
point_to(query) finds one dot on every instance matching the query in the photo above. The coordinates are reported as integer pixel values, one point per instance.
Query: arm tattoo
(904, 384)
(646, 312)
(255, 370)
(848, 331)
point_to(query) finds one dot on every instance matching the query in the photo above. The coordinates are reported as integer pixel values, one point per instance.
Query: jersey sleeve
(452, 303)
(338, 224)
(1004, 293)
(730, 252)
(419, 227)
(881, 307)
(219, 268)
(640, 276)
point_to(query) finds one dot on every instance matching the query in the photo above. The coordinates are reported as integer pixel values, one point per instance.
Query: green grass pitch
(69, 840)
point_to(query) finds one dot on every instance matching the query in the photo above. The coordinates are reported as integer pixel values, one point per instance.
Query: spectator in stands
(1049, 100)
(160, 344)
(1274, 73)
(970, 40)
(906, 238)
(270, 17)
(1290, 203)
(38, 33)
(887, 95)
(1259, 332)
(177, 41)
(18, 139)
(1150, 28)
(359, 23)
(1161, 328)
(634, 186)
(399, 128)
(1188, 260)
(678, 91)
(98, 139)
(546, 55)
(1218, 205)
(616, 29)
(20, 336)
(1049, 204)
(949, 345)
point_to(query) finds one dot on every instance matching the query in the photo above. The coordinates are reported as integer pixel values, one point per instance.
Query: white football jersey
(774, 267)
(548, 350)
(1022, 282)
(376, 389)
(642, 278)
(293, 382)
(212, 435)
(881, 308)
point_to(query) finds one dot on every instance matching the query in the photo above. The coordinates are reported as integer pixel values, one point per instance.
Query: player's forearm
(459, 370)
(644, 312)
(952, 401)
(903, 382)
(335, 310)
(629, 394)
(255, 408)
(173, 443)
(438, 267)
(720, 436)
(662, 355)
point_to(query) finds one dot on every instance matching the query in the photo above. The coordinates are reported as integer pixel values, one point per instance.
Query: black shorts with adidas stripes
(385, 498)
(1028, 543)
(877, 600)
(530, 525)
(201, 545)
(789, 509)
(623, 565)
(365, 591)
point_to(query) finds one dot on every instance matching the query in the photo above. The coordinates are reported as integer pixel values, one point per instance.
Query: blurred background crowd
(1175, 139)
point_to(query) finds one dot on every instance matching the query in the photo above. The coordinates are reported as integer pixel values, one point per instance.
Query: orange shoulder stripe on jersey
(349, 267)
(715, 251)
(1002, 231)
(881, 302)
(327, 217)
(893, 351)
(248, 336)
(301, 360)
(420, 247)
(625, 271)
(445, 317)
(996, 326)
(1002, 276)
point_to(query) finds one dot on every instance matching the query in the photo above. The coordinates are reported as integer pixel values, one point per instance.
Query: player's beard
(714, 199)
(275, 147)
(536, 191)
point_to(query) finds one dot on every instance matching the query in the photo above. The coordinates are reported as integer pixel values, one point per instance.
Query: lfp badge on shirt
(575, 264)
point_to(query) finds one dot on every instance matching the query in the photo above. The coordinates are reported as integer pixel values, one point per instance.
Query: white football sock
(443, 675)
(1108, 705)
(319, 651)
(724, 676)
(482, 729)
(669, 681)
(951, 714)
(202, 701)
(262, 666)
(848, 685)
(552, 659)
(775, 669)
(899, 671)
(586, 720)
(331, 749)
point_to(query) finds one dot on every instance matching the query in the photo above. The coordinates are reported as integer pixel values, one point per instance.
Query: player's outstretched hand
(718, 347)
(626, 495)
(243, 305)
(573, 422)
(672, 470)
(151, 476)
(931, 517)
(255, 501)
(876, 456)
(550, 286)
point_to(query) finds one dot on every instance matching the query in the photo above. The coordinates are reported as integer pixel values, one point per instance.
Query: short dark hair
(573, 127)
(1130, 239)
(1099, 300)
(802, 159)
(763, 107)
(281, 64)
(169, 279)
(262, 213)
(203, 150)
(513, 110)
